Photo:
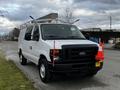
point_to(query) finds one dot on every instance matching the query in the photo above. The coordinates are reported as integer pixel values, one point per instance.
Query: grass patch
(11, 78)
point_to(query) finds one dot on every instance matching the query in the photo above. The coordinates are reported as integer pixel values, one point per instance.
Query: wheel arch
(41, 57)
(19, 51)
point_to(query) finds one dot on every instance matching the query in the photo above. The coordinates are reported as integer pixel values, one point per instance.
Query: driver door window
(28, 33)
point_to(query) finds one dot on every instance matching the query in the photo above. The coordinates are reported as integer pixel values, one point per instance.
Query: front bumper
(75, 67)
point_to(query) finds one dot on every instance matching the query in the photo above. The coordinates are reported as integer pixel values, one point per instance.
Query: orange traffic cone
(102, 44)
(100, 53)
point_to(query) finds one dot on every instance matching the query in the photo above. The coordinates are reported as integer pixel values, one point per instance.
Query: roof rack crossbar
(38, 21)
(41, 21)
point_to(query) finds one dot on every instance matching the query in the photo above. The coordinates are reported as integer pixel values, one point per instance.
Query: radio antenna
(34, 20)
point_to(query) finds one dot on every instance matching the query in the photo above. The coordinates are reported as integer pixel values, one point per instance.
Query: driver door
(35, 44)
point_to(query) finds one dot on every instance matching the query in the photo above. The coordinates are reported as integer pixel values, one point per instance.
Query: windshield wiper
(75, 37)
(63, 37)
(52, 36)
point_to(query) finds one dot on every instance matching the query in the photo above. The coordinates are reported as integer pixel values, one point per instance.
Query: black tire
(22, 59)
(46, 73)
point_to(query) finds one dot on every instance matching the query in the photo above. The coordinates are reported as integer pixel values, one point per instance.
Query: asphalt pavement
(107, 79)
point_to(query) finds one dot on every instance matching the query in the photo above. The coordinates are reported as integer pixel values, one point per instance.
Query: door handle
(30, 47)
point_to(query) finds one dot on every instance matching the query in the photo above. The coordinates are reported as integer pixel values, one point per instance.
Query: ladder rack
(43, 21)
(36, 21)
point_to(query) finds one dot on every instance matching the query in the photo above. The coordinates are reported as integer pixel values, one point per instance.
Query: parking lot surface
(107, 79)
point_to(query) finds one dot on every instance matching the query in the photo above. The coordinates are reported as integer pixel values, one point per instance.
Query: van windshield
(60, 31)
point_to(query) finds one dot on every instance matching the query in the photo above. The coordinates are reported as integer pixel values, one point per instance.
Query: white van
(58, 48)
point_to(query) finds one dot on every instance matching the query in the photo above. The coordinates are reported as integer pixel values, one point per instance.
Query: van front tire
(44, 72)
(22, 59)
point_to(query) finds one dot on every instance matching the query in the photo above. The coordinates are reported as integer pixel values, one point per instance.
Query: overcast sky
(92, 13)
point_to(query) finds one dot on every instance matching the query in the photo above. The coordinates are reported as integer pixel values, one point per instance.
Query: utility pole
(110, 22)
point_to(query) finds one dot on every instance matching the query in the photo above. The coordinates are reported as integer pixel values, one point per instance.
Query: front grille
(78, 53)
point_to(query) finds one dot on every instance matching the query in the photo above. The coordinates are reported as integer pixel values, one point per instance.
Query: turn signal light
(54, 54)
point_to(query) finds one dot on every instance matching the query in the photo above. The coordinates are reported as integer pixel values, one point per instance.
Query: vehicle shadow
(77, 82)
(72, 82)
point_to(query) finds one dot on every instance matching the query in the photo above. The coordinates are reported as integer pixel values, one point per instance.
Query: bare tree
(67, 16)
(14, 34)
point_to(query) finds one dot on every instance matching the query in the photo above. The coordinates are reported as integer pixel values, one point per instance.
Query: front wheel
(22, 59)
(44, 72)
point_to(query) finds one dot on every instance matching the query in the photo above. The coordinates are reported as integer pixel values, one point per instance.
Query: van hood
(59, 43)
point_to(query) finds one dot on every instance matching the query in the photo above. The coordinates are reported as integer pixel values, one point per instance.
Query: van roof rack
(38, 21)
(44, 20)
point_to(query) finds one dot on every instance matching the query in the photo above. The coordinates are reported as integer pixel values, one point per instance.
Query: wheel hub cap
(20, 58)
(42, 71)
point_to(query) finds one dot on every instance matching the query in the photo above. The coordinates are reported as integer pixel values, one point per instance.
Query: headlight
(54, 54)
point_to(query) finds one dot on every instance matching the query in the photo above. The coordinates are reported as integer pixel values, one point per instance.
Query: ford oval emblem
(82, 53)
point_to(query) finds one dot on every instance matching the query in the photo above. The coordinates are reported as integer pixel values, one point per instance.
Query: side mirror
(28, 36)
(36, 37)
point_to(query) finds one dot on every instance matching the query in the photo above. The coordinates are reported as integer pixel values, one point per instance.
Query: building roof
(92, 29)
